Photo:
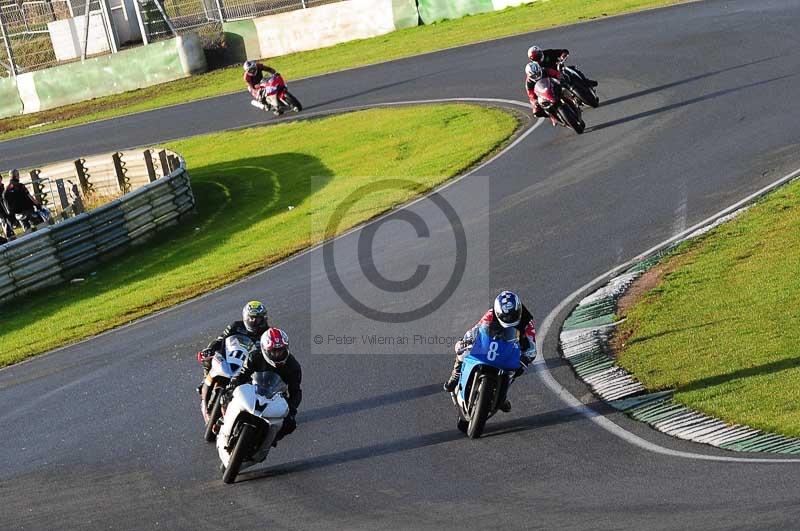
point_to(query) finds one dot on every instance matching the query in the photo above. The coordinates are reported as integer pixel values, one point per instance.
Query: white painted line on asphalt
(300, 254)
(540, 366)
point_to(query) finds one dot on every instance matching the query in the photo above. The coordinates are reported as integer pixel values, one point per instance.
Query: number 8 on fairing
(491, 355)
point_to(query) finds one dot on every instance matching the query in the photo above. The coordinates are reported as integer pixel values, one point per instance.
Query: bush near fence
(55, 254)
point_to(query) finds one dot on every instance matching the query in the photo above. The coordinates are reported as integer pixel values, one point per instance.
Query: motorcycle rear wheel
(571, 118)
(216, 412)
(239, 453)
(585, 94)
(480, 411)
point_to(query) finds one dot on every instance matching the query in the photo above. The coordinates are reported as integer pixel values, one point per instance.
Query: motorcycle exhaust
(257, 104)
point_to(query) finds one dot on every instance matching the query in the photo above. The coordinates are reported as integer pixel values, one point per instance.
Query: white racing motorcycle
(224, 366)
(252, 420)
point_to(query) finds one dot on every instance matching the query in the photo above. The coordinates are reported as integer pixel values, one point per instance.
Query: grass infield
(722, 327)
(245, 183)
(403, 43)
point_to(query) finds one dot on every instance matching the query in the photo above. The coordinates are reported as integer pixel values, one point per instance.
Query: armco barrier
(53, 255)
(318, 27)
(110, 74)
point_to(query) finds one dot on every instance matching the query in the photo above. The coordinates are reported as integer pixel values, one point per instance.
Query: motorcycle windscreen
(502, 351)
(268, 383)
(545, 89)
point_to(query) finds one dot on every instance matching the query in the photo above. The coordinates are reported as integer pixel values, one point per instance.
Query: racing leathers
(526, 332)
(254, 78)
(551, 57)
(235, 328)
(290, 372)
(530, 84)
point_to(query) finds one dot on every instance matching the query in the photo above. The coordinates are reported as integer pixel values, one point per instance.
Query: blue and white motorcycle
(486, 374)
(224, 366)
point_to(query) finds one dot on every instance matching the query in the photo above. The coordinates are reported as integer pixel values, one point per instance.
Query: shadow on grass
(671, 331)
(231, 197)
(760, 370)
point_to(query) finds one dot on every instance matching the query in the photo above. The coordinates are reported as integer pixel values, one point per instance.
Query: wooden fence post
(120, 170)
(148, 162)
(83, 177)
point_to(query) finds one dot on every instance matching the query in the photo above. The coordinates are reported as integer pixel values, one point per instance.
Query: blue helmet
(508, 309)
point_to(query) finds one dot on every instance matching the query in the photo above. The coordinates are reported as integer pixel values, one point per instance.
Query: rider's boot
(553, 120)
(505, 407)
(591, 82)
(455, 376)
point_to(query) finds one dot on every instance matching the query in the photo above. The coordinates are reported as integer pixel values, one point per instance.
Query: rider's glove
(205, 355)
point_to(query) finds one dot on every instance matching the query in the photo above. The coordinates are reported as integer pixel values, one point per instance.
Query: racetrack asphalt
(699, 111)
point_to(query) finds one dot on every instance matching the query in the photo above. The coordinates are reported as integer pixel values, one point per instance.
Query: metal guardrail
(54, 254)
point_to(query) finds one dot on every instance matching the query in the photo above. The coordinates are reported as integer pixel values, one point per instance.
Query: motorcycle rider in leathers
(533, 73)
(253, 324)
(507, 312)
(551, 58)
(253, 75)
(273, 356)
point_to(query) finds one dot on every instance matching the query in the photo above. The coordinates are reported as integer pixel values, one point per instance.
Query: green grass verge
(723, 328)
(403, 43)
(244, 183)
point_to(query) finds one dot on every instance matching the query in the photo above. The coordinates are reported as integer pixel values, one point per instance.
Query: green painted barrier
(241, 40)
(434, 10)
(10, 103)
(405, 14)
(110, 74)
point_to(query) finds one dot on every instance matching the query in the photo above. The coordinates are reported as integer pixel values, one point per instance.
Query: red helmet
(275, 346)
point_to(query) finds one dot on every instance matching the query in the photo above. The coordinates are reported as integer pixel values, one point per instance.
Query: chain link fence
(37, 34)
(26, 33)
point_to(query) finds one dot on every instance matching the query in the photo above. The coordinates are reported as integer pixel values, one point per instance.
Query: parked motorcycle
(486, 374)
(224, 365)
(252, 420)
(275, 96)
(559, 103)
(578, 84)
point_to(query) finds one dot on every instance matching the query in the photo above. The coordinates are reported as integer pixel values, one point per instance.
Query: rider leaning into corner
(273, 356)
(253, 75)
(507, 312)
(253, 324)
(551, 58)
(533, 73)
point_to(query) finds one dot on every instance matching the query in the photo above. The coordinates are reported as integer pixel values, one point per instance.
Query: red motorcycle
(558, 103)
(275, 97)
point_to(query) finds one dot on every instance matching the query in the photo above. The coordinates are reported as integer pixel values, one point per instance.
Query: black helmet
(254, 316)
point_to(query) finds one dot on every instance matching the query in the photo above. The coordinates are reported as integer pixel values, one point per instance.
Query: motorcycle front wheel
(480, 410)
(293, 102)
(239, 453)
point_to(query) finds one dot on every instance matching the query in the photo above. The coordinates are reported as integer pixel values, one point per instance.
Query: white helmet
(535, 53)
(249, 65)
(508, 309)
(533, 71)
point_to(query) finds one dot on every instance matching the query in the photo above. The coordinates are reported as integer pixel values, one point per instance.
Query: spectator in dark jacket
(6, 220)
(18, 200)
